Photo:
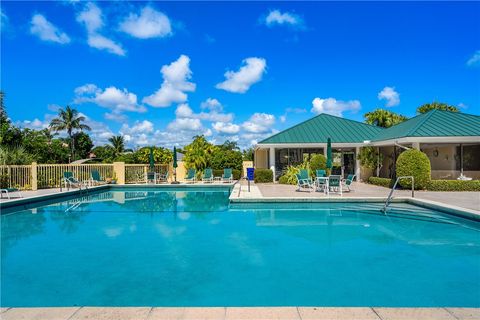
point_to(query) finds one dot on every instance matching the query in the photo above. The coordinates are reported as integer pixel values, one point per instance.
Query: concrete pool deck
(238, 313)
(461, 199)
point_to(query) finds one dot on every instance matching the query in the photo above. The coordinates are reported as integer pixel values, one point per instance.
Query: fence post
(34, 176)
(119, 171)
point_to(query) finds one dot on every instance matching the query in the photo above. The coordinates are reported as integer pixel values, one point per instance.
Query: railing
(50, 175)
(387, 202)
(16, 176)
(135, 173)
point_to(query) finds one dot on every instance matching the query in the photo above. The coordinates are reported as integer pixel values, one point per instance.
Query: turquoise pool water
(186, 248)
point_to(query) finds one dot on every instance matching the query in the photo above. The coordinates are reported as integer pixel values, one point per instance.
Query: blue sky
(162, 72)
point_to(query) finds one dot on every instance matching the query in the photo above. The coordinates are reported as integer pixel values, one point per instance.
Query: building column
(416, 145)
(357, 164)
(271, 161)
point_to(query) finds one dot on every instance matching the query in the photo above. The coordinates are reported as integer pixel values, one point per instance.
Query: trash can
(250, 174)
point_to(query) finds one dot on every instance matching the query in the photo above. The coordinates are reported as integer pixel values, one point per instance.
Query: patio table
(324, 184)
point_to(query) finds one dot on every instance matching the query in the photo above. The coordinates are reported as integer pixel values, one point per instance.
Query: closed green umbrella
(175, 165)
(329, 154)
(152, 160)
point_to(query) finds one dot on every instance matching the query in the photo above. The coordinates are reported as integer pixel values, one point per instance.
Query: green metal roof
(435, 123)
(323, 126)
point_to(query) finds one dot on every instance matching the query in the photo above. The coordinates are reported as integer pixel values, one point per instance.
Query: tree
(14, 155)
(371, 158)
(69, 120)
(118, 145)
(229, 145)
(424, 108)
(198, 154)
(247, 154)
(83, 144)
(160, 155)
(10, 135)
(383, 118)
(106, 153)
(221, 159)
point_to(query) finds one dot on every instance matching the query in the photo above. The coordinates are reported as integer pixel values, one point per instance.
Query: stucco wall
(261, 159)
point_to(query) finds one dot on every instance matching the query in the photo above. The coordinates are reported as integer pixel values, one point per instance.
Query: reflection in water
(205, 201)
(18, 226)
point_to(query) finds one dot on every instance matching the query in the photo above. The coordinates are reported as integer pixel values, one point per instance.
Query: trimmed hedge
(414, 163)
(453, 185)
(383, 182)
(263, 175)
(237, 174)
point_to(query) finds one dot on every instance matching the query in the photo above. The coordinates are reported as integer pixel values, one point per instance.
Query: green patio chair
(320, 173)
(227, 175)
(151, 177)
(348, 182)
(191, 176)
(8, 191)
(95, 178)
(70, 180)
(162, 177)
(304, 180)
(335, 183)
(207, 175)
(320, 183)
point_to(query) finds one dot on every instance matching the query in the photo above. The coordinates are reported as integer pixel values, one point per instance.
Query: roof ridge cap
(351, 120)
(304, 121)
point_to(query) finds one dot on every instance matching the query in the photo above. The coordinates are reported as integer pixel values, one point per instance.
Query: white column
(357, 163)
(416, 145)
(272, 161)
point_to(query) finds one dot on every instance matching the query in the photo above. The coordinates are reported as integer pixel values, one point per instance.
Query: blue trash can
(250, 174)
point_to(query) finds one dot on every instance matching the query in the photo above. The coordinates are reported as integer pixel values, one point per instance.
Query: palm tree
(69, 120)
(118, 144)
(424, 108)
(198, 153)
(383, 118)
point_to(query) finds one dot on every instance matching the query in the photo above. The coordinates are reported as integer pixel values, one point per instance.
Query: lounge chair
(150, 177)
(191, 176)
(207, 175)
(320, 173)
(8, 191)
(71, 181)
(348, 182)
(227, 175)
(162, 177)
(320, 183)
(304, 180)
(95, 178)
(335, 183)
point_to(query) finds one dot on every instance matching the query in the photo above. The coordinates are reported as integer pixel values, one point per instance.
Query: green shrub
(288, 176)
(414, 163)
(237, 174)
(263, 175)
(453, 185)
(384, 182)
(283, 180)
(318, 162)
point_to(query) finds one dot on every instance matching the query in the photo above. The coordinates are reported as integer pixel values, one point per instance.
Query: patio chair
(71, 181)
(227, 175)
(162, 177)
(320, 173)
(207, 175)
(8, 191)
(191, 176)
(348, 182)
(304, 180)
(150, 177)
(335, 183)
(95, 178)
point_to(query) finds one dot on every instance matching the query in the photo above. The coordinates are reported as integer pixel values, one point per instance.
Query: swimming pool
(189, 247)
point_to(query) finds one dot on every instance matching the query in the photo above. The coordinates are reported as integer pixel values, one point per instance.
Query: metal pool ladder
(390, 196)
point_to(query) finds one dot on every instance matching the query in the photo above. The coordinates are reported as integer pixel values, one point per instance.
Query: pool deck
(236, 313)
(274, 191)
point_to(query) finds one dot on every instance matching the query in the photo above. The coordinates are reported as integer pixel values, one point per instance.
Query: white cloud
(184, 111)
(3, 20)
(139, 127)
(46, 31)
(36, 124)
(249, 73)
(390, 95)
(474, 60)
(91, 18)
(175, 84)
(334, 107)
(259, 122)
(117, 100)
(187, 124)
(283, 117)
(149, 24)
(212, 105)
(228, 128)
(276, 17)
